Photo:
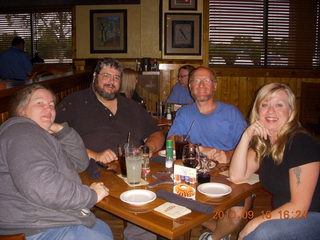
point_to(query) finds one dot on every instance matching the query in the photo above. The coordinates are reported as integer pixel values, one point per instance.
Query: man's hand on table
(106, 156)
(217, 155)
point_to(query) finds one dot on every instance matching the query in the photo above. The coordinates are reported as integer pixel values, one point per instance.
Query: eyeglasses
(108, 76)
(182, 76)
(206, 81)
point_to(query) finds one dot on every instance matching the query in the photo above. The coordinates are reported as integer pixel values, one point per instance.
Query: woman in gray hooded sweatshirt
(41, 194)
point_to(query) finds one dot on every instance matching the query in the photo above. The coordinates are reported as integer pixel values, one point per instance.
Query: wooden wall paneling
(165, 80)
(234, 87)
(218, 94)
(310, 105)
(224, 85)
(218, 91)
(243, 97)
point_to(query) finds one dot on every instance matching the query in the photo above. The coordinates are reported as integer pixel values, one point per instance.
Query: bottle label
(169, 148)
(145, 171)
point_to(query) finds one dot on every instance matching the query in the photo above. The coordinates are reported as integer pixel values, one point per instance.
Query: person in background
(180, 94)
(128, 85)
(41, 194)
(217, 127)
(288, 159)
(37, 59)
(14, 62)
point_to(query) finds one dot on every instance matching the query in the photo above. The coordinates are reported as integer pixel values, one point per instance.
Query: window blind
(47, 33)
(12, 25)
(264, 33)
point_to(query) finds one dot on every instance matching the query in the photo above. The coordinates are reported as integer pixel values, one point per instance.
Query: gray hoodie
(39, 183)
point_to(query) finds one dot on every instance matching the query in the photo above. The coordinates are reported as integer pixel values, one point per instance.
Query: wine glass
(190, 156)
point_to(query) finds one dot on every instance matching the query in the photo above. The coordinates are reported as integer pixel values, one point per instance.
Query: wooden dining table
(145, 217)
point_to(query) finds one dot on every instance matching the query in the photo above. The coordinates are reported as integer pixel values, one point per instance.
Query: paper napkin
(142, 182)
(254, 178)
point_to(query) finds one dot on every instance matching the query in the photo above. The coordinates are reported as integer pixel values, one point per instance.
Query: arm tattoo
(297, 172)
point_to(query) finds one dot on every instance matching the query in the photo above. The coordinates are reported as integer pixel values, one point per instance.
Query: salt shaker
(145, 164)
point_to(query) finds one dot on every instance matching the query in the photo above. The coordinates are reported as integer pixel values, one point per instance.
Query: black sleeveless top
(300, 150)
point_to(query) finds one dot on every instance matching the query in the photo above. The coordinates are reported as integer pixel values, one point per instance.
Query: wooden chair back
(19, 236)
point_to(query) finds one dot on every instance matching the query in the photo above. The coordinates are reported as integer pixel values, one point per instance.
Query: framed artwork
(182, 4)
(108, 31)
(182, 34)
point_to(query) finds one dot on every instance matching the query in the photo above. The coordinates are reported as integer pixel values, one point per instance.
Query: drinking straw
(128, 140)
(186, 137)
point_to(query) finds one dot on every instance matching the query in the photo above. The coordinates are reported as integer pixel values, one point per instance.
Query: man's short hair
(16, 41)
(213, 73)
(108, 62)
(189, 68)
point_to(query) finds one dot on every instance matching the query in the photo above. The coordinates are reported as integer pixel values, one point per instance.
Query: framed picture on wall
(183, 5)
(182, 34)
(108, 31)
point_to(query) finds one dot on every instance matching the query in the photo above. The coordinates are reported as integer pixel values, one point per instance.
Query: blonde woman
(128, 85)
(288, 161)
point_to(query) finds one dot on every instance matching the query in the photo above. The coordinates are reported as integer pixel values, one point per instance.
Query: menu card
(172, 210)
(182, 174)
(184, 178)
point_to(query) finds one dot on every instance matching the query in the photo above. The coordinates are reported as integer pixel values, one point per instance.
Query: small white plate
(214, 189)
(138, 196)
(162, 153)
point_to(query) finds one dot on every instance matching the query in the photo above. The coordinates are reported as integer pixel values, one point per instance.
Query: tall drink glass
(180, 141)
(122, 160)
(134, 159)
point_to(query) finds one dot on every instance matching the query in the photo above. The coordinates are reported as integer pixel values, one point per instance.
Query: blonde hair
(263, 147)
(129, 81)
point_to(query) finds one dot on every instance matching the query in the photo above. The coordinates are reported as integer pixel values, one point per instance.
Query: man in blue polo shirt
(14, 62)
(217, 127)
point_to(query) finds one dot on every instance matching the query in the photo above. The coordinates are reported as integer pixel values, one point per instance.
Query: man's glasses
(206, 81)
(108, 76)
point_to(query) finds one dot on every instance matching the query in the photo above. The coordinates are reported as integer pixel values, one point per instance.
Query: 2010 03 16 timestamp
(285, 214)
(232, 214)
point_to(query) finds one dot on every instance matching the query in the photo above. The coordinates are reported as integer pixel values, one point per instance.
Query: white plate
(138, 196)
(162, 153)
(214, 189)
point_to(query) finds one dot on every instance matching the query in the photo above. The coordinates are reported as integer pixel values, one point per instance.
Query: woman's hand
(257, 129)
(101, 190)
(55, 127)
